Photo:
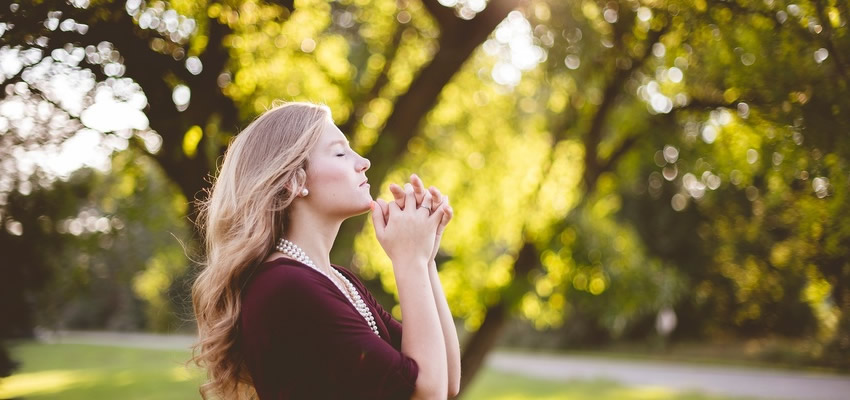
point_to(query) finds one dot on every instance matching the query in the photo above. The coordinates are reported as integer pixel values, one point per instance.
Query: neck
(314, 234)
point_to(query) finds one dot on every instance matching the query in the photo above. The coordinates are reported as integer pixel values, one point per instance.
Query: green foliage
(760, 179)
(739, 214)
(31, 252)
(30, 239)
(656, 154)
(92, 241)
(508, 185)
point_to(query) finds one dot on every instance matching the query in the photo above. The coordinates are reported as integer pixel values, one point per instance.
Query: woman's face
(336, 176)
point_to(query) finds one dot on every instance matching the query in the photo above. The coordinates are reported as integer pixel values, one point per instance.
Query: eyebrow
(339, 141)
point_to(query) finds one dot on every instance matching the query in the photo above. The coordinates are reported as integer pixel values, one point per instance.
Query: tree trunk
(837, 353)
(481, 342)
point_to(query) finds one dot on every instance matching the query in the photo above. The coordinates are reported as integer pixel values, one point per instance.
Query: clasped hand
(411, 226)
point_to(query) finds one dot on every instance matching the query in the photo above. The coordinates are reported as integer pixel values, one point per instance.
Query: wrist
(405, 259)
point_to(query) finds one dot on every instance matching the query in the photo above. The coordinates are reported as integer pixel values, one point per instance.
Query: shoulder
(351, 276)
(281, 279)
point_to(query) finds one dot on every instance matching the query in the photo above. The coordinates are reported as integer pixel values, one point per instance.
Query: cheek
(328, 175)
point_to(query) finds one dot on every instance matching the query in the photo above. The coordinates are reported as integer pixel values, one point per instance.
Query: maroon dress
(302, 338)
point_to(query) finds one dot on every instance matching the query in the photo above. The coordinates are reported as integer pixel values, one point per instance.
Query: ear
(297, 182)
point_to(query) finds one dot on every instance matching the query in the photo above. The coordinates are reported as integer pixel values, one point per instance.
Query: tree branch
(383, 78)
(609, 98)
(288, 4)
(410, 108)
(207, 96)
(837, 55)
(444, 16)
(619, 152)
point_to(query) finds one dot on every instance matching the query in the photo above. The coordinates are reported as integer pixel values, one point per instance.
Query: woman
(276, 319)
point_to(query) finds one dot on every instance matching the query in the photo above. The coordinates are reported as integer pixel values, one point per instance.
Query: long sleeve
(301, 338)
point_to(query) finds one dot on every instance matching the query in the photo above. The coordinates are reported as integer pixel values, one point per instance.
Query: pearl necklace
(292, 250)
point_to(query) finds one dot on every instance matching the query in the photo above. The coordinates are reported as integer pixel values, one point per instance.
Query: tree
(598, 154)
(637, 78)
(192, 68)
(27, 236)
(763, 174)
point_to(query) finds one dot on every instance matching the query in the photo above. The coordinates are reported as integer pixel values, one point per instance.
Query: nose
(365, 164)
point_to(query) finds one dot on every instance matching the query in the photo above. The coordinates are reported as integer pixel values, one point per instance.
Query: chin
(362, 208)
(365, 207)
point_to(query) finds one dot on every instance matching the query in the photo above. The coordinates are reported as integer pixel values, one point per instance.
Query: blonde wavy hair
(242, 215)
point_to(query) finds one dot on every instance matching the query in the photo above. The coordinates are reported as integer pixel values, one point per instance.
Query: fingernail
(372, 205)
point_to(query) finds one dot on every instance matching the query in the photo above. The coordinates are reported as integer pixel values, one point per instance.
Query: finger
(377, 219)
(409, 198)
(437, 216)
(448, 205)
(448, 214)
(436, 198)
(446, 218)
(427, 202)
(392, 206)
(385, 209)
(418, 188)
(398, 194)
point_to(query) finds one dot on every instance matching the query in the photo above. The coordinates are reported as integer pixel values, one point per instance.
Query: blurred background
(637, 184)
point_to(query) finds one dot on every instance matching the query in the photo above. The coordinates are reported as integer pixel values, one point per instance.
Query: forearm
(423, 337)
(448, 329)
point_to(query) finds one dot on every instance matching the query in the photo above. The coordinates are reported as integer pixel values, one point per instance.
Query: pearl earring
(304, 192)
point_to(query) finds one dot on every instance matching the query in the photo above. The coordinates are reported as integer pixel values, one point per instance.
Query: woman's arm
(437, 204)
(422, 339)
(407, 236)
(449, 331)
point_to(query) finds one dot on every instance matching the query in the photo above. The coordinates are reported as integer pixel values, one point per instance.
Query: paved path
(723, 380)
(123, 339)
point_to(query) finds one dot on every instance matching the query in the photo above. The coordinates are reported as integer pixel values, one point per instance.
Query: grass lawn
(67, 371)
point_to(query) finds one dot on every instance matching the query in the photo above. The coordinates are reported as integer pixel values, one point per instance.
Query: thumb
(377, 219)
(385, 209)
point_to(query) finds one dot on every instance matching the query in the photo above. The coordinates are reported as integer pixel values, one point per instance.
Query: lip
(365, 182)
